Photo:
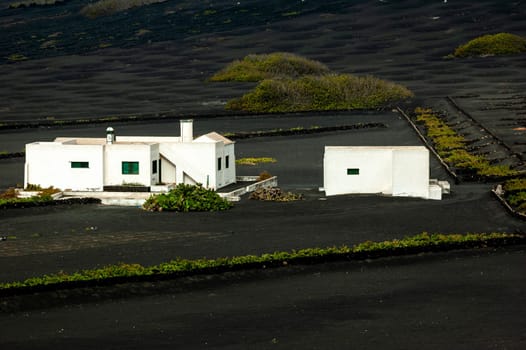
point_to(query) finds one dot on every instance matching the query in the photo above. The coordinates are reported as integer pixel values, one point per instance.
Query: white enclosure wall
(399, 171)
(374, 168)
(411, 172)
(55, 164)
(117, 153)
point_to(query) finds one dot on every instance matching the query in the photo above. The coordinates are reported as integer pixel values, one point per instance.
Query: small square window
(353, 171)
(80, 165)
(130, 168)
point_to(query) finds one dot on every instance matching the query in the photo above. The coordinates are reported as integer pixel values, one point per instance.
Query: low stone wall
(235, 195)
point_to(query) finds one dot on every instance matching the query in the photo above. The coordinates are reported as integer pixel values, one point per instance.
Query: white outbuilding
(395, 171)
(92, 164)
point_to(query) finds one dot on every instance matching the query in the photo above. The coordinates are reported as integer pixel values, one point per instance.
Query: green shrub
(185, 198)
(328, 92)
(496, 44)
(266, 66)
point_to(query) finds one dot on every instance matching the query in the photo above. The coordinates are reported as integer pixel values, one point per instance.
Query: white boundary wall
(397, 171)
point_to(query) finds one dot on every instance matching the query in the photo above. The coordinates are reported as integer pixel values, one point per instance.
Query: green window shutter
(353, 171)
(79, 165)
(130, 168)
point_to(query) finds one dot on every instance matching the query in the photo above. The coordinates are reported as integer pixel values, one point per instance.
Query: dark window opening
(227, 162)
(154, 167)
(219, 163)
(353, 171)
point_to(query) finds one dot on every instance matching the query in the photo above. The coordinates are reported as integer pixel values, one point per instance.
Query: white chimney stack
(187, 130)
(110, 135)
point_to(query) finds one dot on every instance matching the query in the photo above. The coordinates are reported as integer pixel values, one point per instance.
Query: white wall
(49, 164)
(225, 176)
(196, 160)
(374, 165)
(117, 153)
(399, 171)
(411, 172)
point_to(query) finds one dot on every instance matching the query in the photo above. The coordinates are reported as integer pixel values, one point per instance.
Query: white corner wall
(49, 164)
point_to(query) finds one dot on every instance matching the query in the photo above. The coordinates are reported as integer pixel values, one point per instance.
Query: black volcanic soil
(165, 70)
(459, 301)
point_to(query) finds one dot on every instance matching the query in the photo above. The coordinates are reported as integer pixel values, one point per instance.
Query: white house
(396, 171)
(90, 164)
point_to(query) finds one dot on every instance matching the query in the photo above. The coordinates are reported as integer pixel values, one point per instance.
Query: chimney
(110, 135)
(187, 130)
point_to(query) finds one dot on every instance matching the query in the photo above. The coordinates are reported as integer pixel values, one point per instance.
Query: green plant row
(452, 147)
(328, 92)
(491, 45)
(409, 245)
(24, 202)
(185, 198)
(515, 194)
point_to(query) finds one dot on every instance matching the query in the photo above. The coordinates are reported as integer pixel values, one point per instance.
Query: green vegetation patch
(9, 198)
(109, 7)
(185, 198)
(16, 57)
(424, 242)
(328, 92)
(452, 147)
(492, 45)
(255, 161)
(266, 66)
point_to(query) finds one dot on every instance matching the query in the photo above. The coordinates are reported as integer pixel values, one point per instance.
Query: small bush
(264, 175)
(266, 66)
(185, 198)
(329, 92)
(274, 194)
(496, 44)
(10, 193)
